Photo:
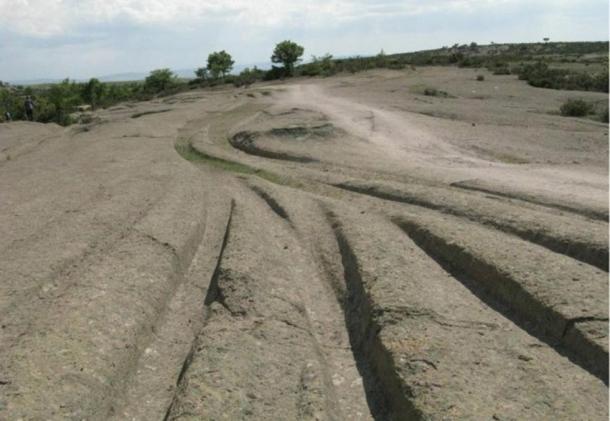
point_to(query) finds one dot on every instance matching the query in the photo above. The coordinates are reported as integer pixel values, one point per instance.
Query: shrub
(159, 80)
(381, 60)
(394, 64)
(319, 66)
(274, 73)
(541, 76)
(435, 92)
(480, 78)
(501, 71)
(202, 75)
(575, 108)
(93, 92)
(248, 76)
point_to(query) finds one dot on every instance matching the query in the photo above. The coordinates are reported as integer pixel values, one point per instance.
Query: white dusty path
(406, 145)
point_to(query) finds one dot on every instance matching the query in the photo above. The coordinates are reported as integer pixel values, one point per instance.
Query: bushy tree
(220, 64)
(63, 98)
(575, 108)
(381, 60)
(248, 76)
(202, 73)
(319, 66)
(11, 103)
(159, 80)
(287, 53)
(93, 92)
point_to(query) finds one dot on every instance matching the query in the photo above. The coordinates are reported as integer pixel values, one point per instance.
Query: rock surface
(309, 250)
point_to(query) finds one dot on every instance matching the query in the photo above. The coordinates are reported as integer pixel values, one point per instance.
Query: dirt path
(410, 147)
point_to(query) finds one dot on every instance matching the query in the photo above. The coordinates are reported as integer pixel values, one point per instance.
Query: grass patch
(188, 152)
(435, 92)
(143, 113)
(429, 91)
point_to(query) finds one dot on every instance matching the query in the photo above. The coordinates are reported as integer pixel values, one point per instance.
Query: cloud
(84, 38)
(45, 18)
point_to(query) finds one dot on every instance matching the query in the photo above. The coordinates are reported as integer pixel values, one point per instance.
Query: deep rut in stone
(576, 248)
(384, 393)
(503, 292)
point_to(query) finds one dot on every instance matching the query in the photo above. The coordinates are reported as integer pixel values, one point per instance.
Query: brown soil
(322, 249)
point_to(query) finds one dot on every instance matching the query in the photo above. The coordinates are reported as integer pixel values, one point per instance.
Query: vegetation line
(187, 151)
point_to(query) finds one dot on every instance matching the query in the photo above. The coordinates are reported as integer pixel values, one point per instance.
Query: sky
(87, 38)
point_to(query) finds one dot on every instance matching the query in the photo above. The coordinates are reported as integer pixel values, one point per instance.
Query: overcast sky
(85, 38)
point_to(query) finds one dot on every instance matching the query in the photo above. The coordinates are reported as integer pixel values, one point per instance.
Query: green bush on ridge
(575, 108)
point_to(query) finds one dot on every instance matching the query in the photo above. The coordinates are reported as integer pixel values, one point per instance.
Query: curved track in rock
(158, 268)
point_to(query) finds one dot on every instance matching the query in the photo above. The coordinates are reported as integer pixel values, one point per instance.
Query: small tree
(326, 63)
(159, 80)
(381, 59)
(220, 63)
(287, 53)
(64, 97)
(202, 73)
(93, 92)
(248, 76)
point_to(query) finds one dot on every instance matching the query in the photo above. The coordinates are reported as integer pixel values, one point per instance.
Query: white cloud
(84, 38)
(45, 18)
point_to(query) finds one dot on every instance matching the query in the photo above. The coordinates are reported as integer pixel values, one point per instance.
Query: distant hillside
(556, 65)
(565, 52)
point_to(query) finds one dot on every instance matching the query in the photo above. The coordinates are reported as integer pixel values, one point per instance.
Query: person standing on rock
(29, 108)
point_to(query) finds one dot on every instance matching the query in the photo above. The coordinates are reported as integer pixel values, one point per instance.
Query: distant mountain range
(131, 76)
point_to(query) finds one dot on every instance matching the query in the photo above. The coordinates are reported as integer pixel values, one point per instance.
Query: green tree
(93, 92)
(202, 73)
(63, 98)
(220, 63)
(381, 60)
(323, 65)
(247, 77)
(159, 80)
(287, 53)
